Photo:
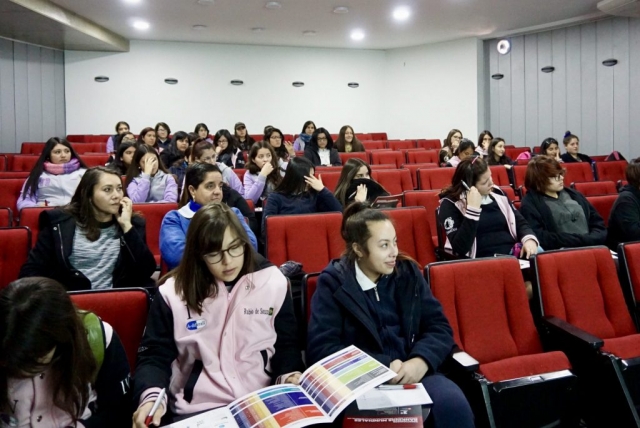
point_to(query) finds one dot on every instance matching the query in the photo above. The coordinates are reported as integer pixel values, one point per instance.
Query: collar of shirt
(364, 282)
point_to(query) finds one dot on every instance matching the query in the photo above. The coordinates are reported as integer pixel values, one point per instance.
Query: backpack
(614, 156)
(95, 337)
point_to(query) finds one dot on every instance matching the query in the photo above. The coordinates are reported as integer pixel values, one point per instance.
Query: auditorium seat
(621, 183)
(509, 193)
(29, 217)
(299, 153)
(430, 200)
(309, 284)
(330, 180)
(10, 193)
(435, 179)
(512, 382)
(629, 261)
(374, 145)
(603, 205)
(595, 188)
(14, 174)
(344, 157)
(6, 217)
(514, 152)
(413, 232)
(22, 163)
(28, 148)
(125, 309)
(599, 158)
(77, 138)
(94, 147)
(428, 144)
(95, 159)
(577, 171)
(382, 167)
(324, 169)
(500, 175)
(257, 137)
(3, 162)
(154, 213)
(580, 302)
(288, 237)
(413, 169)
(537, 150)
(240, 173)
(15, 243)
(387, 157)
(611, 170)
(378, 136)
(401, 144)
(395, 181)
(365, 137)
(518, 174)
(423, 156)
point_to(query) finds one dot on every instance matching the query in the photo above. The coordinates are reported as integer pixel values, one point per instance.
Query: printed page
(394, 396)
(334, 382)
(218, 418)
(277, 407)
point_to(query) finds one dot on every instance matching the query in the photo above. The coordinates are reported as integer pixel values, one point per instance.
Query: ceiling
(231, 21)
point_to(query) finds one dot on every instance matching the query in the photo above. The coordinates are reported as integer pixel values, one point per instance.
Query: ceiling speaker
(548, 69)
(237, 82)
(298, 84)
(101, 79)
(504, 47)
(171, 81)
(353, 84)
(609, 62)
(497, 76)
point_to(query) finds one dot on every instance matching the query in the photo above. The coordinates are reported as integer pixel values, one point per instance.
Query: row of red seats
(20, 163)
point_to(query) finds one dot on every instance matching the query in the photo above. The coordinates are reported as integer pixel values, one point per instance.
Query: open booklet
(326, 389)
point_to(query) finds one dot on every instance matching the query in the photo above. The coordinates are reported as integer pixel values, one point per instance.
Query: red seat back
(29, 218)
(499, 175)
(10, 193)
(630, 266)
(14, 174)
(412, 230)
(383, 166)
(513, 152)
(433, 143)
(125, 309)
(611, 170)
(581, 287)
(153, 214)
(325, 169)
(23, 162)
(77, 138)
(95, 159)
(366, 137)
(577, 171)
(435, 179)
(509, 192)
(413, 169)
(330, 180)
(15, 243)
(284, 240)
(6, 217)
(430, 200)
(595, 188)
(387, 157)
(519, 173)
(93, 147)
(378, 136)
(395, 181)
(240, 173)
(423, 156)
(344, 157)
(603, 205)
(488, 310)
(31, 148)
(3, 162)
(309, 284)
(374, 145)
(401, 144)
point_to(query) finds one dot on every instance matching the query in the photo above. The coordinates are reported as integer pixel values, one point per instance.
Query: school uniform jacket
(243, 341)
(624, 220)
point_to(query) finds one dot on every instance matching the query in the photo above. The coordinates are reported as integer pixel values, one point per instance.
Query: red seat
(240, 173)
(10, 193)
(413, 169)
(395, 181)
(599, 158)
(251, 205)
(430, 200)
(285, 242)
(23, 163)
(595, 188)
(629, 256)
(603, 205)
(509, 193)
(518, 173)
(153, 214)
(611, 170)
(93, 147)
(257, 137)
(125, 309)
(513, 152)
(577, 171)
(486, 304)
(77, 138)
(433, 143)
(499, 175)
(325, 169)
(413, 232)
(435, 179)
(31, 148)
(14, 174)
(380, 167)
(365, 137)
(373, 145)
(95, 159)
(423, 156)
(401, 144)
(15, 243)
(6, 217)
(330, 180)
(3, 162)
(344, 157)
(309, 284)
(387, 157)
(29, 218)
(378, 136)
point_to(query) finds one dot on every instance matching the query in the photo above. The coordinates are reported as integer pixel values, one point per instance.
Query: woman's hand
(266, 169)
(143, 411)
(124, 217)
(361, 193)
(411, 371)
(315, 183)
(474, 198)
(529, 248)
(218, 150)
(289, 146)
(294, 378)
(149, 163)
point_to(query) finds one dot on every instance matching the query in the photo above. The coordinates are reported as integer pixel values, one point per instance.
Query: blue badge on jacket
(196, 324)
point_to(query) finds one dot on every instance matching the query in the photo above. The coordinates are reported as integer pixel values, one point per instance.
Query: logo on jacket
(448, 224)
(258, 311)
(196, 324)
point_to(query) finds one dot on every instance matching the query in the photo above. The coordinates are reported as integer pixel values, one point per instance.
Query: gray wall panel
(531, 88)
(7, 95)
(634, 87)
(545, 87)
(589, 131)
(504, 63)
(559, 82)
(48, 93)
(21, 92)
(621, 85)
(518, 133)
(60, 108)
(574, 82)
(494, 91)
(604, 103)
(34, 92)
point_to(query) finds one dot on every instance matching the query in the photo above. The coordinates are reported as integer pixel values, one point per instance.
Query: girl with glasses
(221, 326)
(449, 146)
(320, 149)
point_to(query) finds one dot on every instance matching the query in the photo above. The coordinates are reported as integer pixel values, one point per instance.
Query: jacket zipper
(375, 289)
(412, 336)
(64, 259)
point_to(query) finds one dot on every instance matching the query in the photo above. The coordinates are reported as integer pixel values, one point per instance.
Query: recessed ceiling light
(401, 13)
(205, 2)
(257, 29)
(132, 1)
(357, 35)
(341, 10)
(309, 33)
(199, 27)
(141, 25)
(273, 5)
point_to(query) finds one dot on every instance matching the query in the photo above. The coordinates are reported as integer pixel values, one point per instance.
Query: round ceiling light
(141, 25)
(273, 5)
(357, 35)
(206, 2)
(504, 47)
(401, 13)
(341, 10)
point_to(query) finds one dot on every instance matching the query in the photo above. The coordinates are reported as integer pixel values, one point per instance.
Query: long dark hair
(232, 145)
(491, 160)
(313, 142)
(36, 316)
(447, 141)
(348, 174)
(280, 151)
(172, 154)
(199, 126)
(118, 140)
(469, 171)
(194, 176)
(275, 176)
(481, 137)
(356, 145)
(81, 206)
(134, 169)
(548, 142)
(197, 148)
(165, 126)
(117, 163)
(307, 123)
(193, 281)
(144, 132)
(293, 182)
(31, 185)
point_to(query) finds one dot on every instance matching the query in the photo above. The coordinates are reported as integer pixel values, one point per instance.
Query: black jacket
(311, 153)
(567, 158)
(233, 199)
(624, 219)
(539, 216)
(340, 316)
(50, 256)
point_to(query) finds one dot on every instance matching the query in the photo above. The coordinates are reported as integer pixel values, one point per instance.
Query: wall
(32, 104)
(137, 93)
(599, 104)
(433, 88)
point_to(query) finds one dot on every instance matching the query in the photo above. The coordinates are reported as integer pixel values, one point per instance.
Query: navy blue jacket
(340, 316)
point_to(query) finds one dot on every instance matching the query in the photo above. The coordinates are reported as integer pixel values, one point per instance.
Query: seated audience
(559, 216)
(95, 242)
(123, 157)
(202, 131)
(550, 147)
(174, 157)
(245, 141)
(484, 139)
(262, 175)
(356, 170)
(497, 154)
(572, 146)
(376, 298)
(219, 278)
(320, 149)
(203, 185)
(305, 136)
(147, 178)
(59, 366)
(203, 151)
(54, 178)
(148, 137)
(121, 127)
(624, 220)
(284, 149)
(347, 141)
(449, 146)
(227, 149)
(163, 133)
(464, 150)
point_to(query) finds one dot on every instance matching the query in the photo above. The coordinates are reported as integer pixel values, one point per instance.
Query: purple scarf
(62, 168)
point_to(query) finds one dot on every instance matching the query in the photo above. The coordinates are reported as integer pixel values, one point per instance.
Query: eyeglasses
(234, 251)
(275, 137)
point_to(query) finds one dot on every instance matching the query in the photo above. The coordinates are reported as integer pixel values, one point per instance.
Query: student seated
(320, 149)
(624, 220)
(121, 128)
(484, 139)
(54, 178)
(284, 149)
(559, 216)
(300, 193)
(572, 146)
(148, 137)
(203, 185)
(174, 157)
(496, 154)
(220, 283)
(376, 298)
(357, 169)
(147, 178)
(262, 175)
(305, 136)
(162, 136)
(449, 145)
(202, 131)
(123, 157)
(227, 150)
(480, 221)
(550, 147)
(245, 141)
(94, 242)
(465, 150)
(203, 151)
(59, 366)
(347, 141)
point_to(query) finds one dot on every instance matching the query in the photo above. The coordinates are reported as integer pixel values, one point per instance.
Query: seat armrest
(464, 361)
(570, 334)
